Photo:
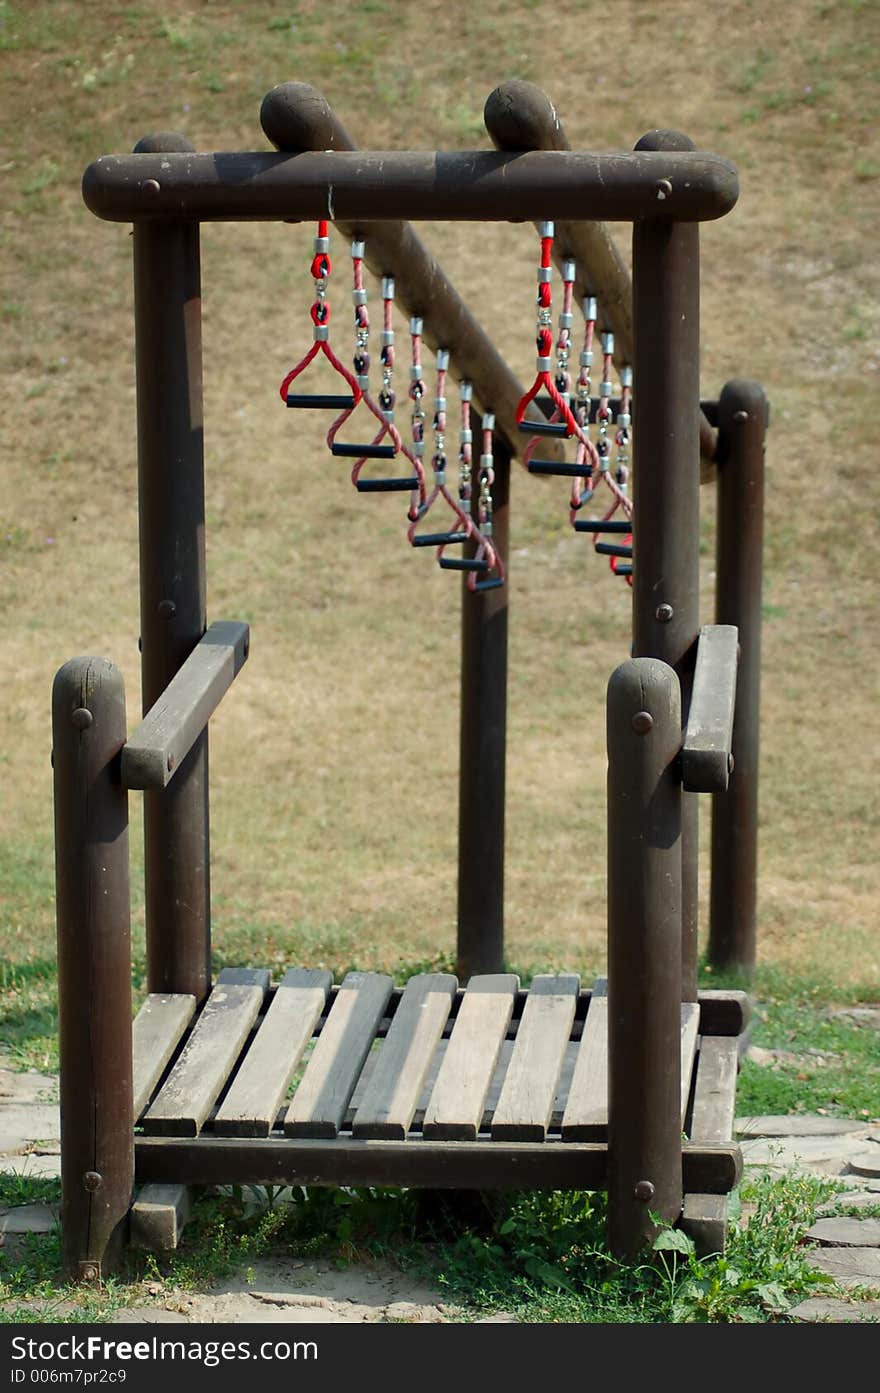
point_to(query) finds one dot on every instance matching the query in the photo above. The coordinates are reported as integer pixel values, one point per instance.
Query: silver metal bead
(363, 381)
(546, 229)
(418, 448)
(415, 372)
(466, 391)
(416, 325)
(566, 321)
(605, 389)
(442, 359)
(387, 287)
(465, 437)
(543, 364)
(591, 308)
(487, 461)
(357, 251)
(587, 359)
(439, 403)
(359, 297)
(321, 244)
(545, 274)
(607, 342)
(626, 376)
(569, 270)
(321, 333)
(624, 420)
(488, 420)
(439, 476)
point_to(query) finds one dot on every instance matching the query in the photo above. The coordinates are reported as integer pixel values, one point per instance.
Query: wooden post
(483, 736)
(94, 965)
(171, 496)
(644, 959)
(743, 414)
(666, 569)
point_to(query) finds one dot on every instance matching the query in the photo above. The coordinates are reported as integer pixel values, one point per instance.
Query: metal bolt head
(731, 764)
(151, 186)
(89, 1272)
(740, 415)
(167, 609)
(664, 188)
(92, 1181)
(644, 1191)
(81, 718)
(663, 613)
(642, 722)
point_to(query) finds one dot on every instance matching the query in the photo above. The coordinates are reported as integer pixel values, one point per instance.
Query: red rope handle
(319, 314)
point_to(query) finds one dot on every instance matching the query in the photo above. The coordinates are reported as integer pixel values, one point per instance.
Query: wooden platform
(363, 1083)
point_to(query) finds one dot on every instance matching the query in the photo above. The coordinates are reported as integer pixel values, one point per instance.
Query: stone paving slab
(846, 1232)
(800, 1125)
(818, 1309)
(851, 1267)
(829, 1155)
(29, 1218)
(866, 1162)
(852, 1199)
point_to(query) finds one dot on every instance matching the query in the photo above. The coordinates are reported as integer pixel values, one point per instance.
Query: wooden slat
(458, 1098)
(715, 1090)
(192, 1087)
(156, 1032)
(690, 1024)
(171, 727)
(525, 1105)
(319, 1104)
(257, 1091)
(586, 1109)
(705, 753)
(390, 1099)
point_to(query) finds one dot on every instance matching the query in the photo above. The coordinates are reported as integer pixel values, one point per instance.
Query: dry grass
(333, 760)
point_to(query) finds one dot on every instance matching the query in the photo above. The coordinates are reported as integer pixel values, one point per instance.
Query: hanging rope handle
(320, 317)
(562, 413)
(494, 574)
(464, 526)
(383, 413)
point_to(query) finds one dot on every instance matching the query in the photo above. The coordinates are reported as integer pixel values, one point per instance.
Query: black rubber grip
(603, 525)
(463, 563)
(438, 539)
(386, 485)
(363, 451)
(325, 403)
(623, 570)
(544, 428)
(564, 471)
(493, 583)
(613, 549)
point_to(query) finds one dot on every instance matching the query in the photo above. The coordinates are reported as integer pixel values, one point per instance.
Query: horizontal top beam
(364, 187)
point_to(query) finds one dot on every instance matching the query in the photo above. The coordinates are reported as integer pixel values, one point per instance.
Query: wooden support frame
(706, 755)
(665, 187)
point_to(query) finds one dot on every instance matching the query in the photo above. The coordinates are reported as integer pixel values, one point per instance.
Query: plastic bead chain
(320, 316)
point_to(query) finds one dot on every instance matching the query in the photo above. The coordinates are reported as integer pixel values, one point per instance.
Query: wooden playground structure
(467, 1081)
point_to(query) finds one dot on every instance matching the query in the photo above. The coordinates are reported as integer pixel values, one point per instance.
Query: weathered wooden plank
(319, 1104)
(458, 1098)
(156, 1032)
(188, 1094)
(586, 1110)
(457, 1165)
(690, 1024)
(525, 1105)
(158, 1216)
(257, 1091)
(171, 727)
(714, 1109)
(708, 738)
(390, 1099)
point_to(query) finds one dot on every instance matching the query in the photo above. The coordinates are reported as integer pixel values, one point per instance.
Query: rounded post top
(164, 143)
(296, 116)
(520, 116)
(664, 140)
